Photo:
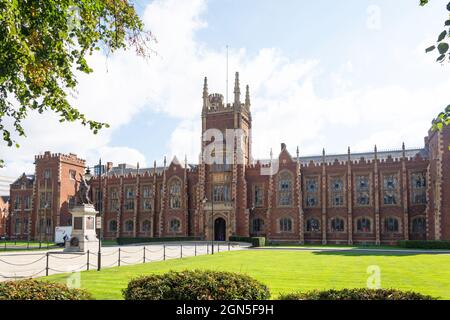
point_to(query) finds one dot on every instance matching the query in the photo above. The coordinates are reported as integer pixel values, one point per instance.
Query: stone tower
(226, 151)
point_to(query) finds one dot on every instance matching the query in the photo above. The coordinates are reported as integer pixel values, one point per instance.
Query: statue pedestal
(84, 237)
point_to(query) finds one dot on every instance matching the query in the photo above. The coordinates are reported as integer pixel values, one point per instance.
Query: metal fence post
(218, 247)
(99, 261)
(144, 255)
(164, 252)
(46, 263)
(195, 249)
(87, 260)
(181, 251)
(118, 261)
(229, 248)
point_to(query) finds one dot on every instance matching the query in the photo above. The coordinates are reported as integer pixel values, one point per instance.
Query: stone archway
(220, 229)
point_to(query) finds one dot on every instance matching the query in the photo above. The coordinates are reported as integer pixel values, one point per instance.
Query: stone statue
(83, 191)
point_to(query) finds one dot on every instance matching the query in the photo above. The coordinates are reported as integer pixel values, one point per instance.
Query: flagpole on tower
(226, 99)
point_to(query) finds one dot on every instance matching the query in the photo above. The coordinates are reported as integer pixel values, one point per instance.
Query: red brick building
(4, 211)
(40, 202)
(377, 197)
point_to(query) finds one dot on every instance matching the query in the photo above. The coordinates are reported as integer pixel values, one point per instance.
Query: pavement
(31, 264)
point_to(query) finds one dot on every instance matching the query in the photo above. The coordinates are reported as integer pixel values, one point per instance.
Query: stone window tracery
(391, 189)
(285, 189)
(312, 192)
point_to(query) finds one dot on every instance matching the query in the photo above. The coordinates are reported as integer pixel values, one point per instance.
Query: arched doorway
(220, 227)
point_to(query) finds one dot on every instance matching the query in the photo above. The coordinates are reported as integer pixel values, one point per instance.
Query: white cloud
(287, 104)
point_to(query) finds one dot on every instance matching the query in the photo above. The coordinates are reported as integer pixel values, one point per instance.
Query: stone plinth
(84, 237)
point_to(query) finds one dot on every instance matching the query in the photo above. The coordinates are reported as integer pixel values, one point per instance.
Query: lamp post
(100, 209)
(212, 222)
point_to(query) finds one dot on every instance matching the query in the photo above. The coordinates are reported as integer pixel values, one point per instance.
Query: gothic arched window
(285, 188)
(337, 225)
(175, 193)
(146, 226)
(391, 225)
(129, 225)
(174, 225)
(363, 225)
(419, 225)
(285, 225)
(112, 226)
(312, 225)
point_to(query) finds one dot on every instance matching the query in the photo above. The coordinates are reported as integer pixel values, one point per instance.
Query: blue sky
(321, 73)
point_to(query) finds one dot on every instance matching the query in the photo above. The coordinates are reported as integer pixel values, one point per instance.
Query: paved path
(362, 250)
(19, 265)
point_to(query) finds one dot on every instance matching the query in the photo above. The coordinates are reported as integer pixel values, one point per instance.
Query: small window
(175, 225)
(258, 196)
(47, 174)
(286, 225)
(363, 225)
(391, 225)
(72, 174)
(419, 226)
(312, 225)
(146, 226)
(129, 226)
(113, 226)
(337, 225)
(257, 225)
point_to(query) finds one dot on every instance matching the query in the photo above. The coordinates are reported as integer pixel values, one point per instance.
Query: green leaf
(441, 58)
(447, 23)
(448, 6)
(442, 36)
(429, 49)
(443, 47)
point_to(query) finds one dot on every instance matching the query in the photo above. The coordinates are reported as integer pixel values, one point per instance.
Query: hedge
(255, 241)
(124, 241)
(196, 285)
(356, 294)
(422, 244)
(31, 289)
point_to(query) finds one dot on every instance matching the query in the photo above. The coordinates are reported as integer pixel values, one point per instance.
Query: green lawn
(287, 271)
(22, 245)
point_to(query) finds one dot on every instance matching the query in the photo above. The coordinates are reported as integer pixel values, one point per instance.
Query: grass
(21, 245)
(359, 246)
(289, 271)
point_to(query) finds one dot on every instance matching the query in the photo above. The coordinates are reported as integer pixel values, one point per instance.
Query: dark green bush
(356, 294)
(31, 289)
(424, 244)
(196, 285)
(124, 241)
(255, 241)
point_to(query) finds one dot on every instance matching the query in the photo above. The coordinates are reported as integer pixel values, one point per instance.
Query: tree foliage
(442, 46)
(43, 43)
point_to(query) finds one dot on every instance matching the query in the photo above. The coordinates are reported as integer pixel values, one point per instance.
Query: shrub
(196, 285)
(124, 241)
(422, 244)
(356, 294)
(255, 241)
(31, 289)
